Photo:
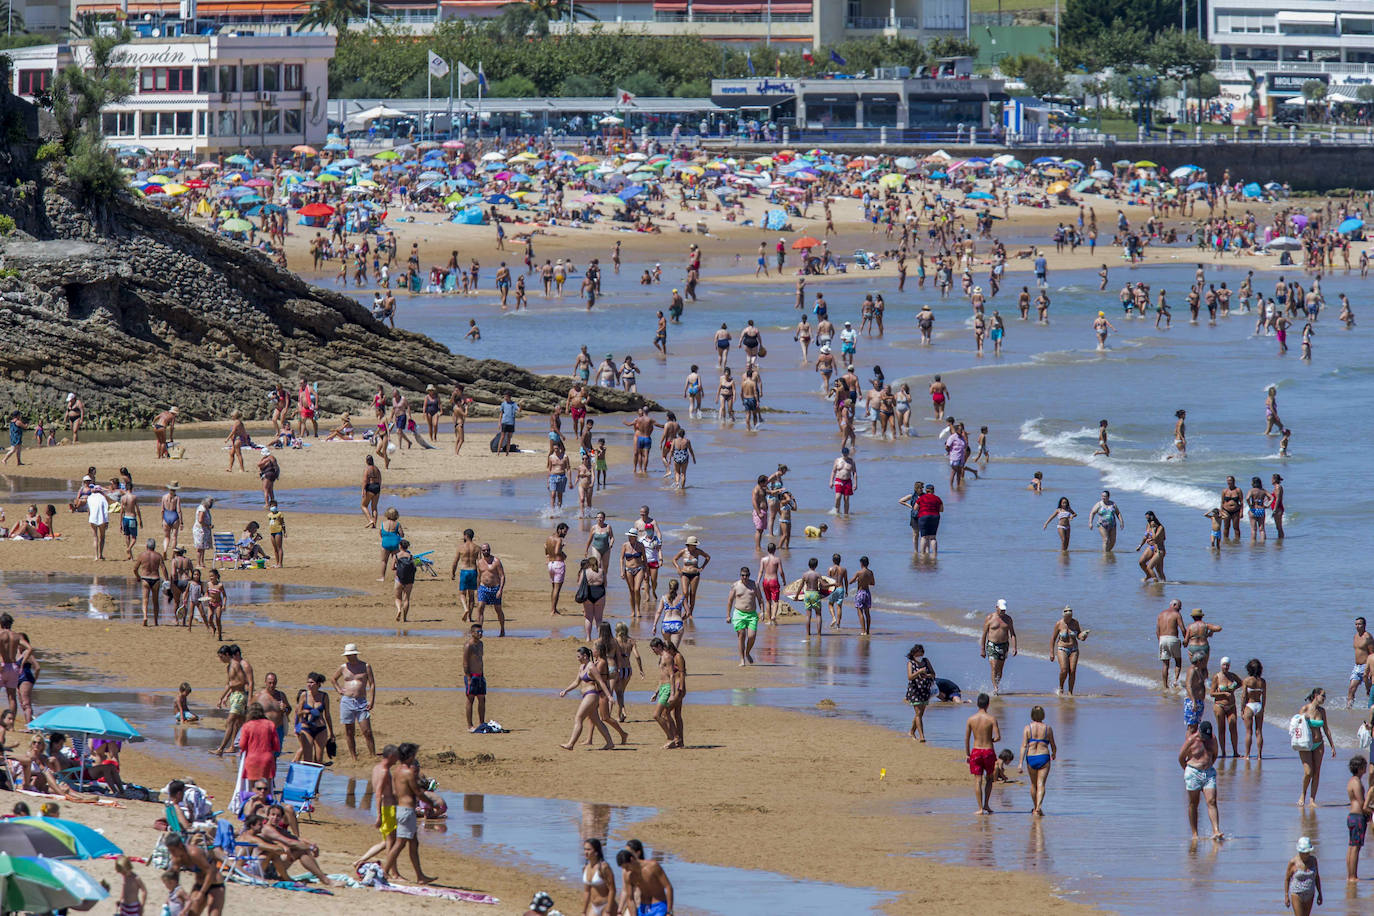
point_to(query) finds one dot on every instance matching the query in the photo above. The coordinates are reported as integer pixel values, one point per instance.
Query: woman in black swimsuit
(28, 676)
(431, 409)
(591, 589)
(632, 569)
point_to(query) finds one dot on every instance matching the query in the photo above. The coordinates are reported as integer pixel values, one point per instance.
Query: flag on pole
(806, 56)
(749, 61)
(481, 77)
(624, 98)
(837, 59)
(465, 74)
(437, 65)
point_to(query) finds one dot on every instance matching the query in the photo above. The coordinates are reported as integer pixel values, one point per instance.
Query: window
(251, 120)
(117, 124)
(165, 123)
(206, 79)
(226, 124)
(165, 79)
(292, 119)
(32, 82)
(271, 77)
(293, 77)
(228, 79)
(250, 79)
(271, 121)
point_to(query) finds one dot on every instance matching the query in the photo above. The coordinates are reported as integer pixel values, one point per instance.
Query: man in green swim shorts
(667, 698)
(742, 610)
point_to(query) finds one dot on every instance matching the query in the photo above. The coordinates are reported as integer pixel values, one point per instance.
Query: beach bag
(1299, 733)
(1363, 735)
(582, 596)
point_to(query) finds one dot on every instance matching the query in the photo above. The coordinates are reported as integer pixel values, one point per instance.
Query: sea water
(1288, 602)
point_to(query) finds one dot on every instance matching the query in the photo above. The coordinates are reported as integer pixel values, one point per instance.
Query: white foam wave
(1117, 473)
(1125, 677)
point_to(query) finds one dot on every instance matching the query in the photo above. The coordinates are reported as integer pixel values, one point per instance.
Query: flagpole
(429, 93)
(481, 79)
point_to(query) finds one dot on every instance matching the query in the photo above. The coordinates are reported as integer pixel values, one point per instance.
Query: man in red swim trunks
(577, 407)
(844, 475)
(980, 739)
(305, 401)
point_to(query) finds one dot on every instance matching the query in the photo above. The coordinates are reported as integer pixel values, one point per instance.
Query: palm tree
(335, 13)
(13, 19)
(558, 10)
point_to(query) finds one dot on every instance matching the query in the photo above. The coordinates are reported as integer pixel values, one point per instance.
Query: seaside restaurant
(897, 102)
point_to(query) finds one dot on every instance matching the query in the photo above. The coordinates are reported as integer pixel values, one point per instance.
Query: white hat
(350, 649)
(71, 395)
(1001, 604)
(1305, 844)
(1226, 660)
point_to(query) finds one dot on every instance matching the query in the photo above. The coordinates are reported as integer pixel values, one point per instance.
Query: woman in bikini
(603, 657)
(920, 677)
(371, 491)
(1064, 649)
(1038, 751)
(1254, 696)
(1180, 434)
(382, 442)
(379, 405)
(690, 562)
(626, 651)
(593, 686)
(725, 396)
(216, 600)
(632, 568)
(1271, 412)
(1063, 514)
(1256, 502)
(314, 726)
(670, 614)
(593, 578)
(598, 881)
(681, 453)
(1314, 711)
(1152, 560)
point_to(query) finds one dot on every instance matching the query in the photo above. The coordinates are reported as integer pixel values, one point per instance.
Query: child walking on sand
(177, 898)
(601, 465)
(134, 894)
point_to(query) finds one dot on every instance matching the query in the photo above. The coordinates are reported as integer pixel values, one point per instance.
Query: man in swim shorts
(558, 475)
(1195, 692)
(644, 426)
(844, 477)
(474, 678)
(1357, 818)
(840, 576)
(12, 646)
(998, 637)
(1198, 757)
(491, 582)
(357, 697)
(981, 735)
(663, 698)
(758, 500)
(1359, 674)
(1169, 629)
(465, 571)
(238, 686)
(645, 876)
(742, 612)
(771, 578)
(864, 580)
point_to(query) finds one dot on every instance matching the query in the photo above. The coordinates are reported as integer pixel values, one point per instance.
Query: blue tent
(1252, 190)
(472, 216)
(500, 199)
(774, 219)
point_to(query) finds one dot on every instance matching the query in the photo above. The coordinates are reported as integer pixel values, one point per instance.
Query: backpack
(1299, 733)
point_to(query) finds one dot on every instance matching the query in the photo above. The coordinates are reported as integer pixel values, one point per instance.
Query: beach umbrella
(1252, 190)
(18, 839)
(345, 163)
(327, 177)
(805, 241)
(387, 155)
(453, 144)
(1059, 187)
(1196, 186)
(27, 887)
(980, 195)
(1101, 174)
(1121, 163)
(892, 180)
(87, 842)
(1085, 185)
(1004, 159)
(1284, 243)
(1044, 160)
(1183, 171)
(335, 146)
(1072, 164)
(75, 881)
(494, 156)
(157, 179)
(431, 175)
(305, 150)
(196, 183)
(1350, 225)
(239, 159)
(1299, 220)
(1146, 164)
(938, 174)
(611, 120)
(500, 199)
(236, 225)
(249, 199)
(151, 189)
(174, 189)
(631, 192)
(518, 178)
(259, 182)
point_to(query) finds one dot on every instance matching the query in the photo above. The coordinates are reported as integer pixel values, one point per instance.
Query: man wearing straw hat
(357, 696)
(164, 427)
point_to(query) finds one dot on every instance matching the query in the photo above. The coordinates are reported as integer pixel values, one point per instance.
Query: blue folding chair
(302, 786)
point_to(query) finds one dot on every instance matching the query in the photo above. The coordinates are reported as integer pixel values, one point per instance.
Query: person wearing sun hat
(357, 696)
(164, 426)
(1302, 883)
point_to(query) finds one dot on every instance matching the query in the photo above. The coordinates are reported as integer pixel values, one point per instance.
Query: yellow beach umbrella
(1059, 187)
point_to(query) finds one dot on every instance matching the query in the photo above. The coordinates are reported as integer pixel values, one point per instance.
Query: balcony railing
(882, 22)
(666, 16)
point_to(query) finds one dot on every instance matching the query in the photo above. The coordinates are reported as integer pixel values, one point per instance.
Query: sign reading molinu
(1291, 83)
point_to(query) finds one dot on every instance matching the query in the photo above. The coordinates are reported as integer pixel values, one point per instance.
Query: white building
(205, 92)
(1260, 32)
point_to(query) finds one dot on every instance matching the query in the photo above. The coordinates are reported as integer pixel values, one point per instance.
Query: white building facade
(208, 93)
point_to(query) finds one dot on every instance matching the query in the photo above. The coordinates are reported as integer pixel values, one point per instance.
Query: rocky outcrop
(136, 310)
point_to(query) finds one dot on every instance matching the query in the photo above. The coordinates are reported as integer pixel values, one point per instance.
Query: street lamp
(1143, 88)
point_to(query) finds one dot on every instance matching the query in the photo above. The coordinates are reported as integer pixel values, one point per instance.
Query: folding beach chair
(425, 561)
(302, 786)
(226, 551)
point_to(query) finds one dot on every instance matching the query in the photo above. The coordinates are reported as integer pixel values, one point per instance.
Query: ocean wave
(1117, 473)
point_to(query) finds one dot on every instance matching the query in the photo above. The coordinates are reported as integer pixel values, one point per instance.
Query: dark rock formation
(136, 310)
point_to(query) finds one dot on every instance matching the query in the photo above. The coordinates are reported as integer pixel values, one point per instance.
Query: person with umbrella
(105, 770)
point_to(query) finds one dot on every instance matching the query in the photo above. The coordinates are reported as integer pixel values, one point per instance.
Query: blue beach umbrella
(89, 843)
(980, 195)
(1252, 190)
(1197, 186)
(1350, 225)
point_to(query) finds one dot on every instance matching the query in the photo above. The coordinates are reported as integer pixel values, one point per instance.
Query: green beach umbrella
(387, 155)
(327, 177)
(236, 225)
(27, 887)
